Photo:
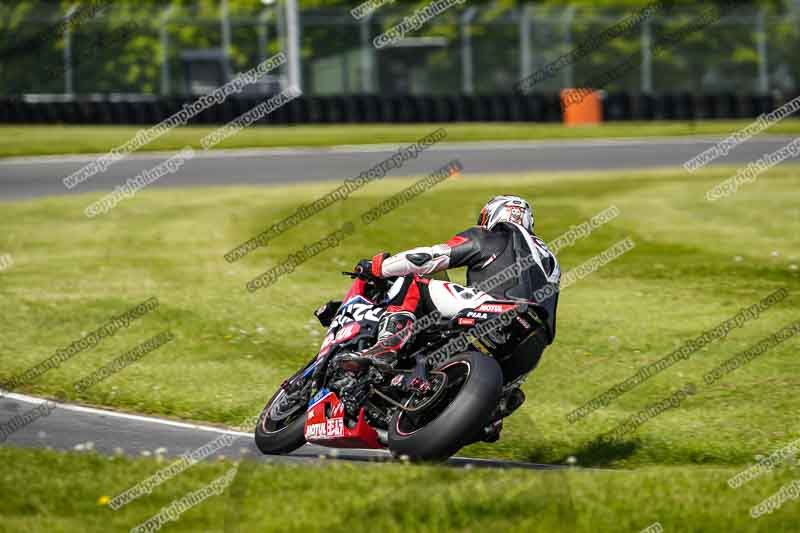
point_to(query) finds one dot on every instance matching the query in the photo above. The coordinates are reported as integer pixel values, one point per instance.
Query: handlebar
(375, 288)
(368, 278)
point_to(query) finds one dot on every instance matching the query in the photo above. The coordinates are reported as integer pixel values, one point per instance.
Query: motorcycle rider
(502, 237)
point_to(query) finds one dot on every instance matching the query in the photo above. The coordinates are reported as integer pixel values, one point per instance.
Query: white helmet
(506, 208)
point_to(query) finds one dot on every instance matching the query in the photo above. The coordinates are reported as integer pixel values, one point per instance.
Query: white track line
(185, 425)
(115, 414)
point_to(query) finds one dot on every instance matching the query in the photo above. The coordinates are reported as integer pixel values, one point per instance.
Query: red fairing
(356, 289)
(332, 431)
(327, 342)
(347, 332)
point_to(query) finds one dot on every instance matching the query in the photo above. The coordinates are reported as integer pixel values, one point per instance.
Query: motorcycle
(447, 389)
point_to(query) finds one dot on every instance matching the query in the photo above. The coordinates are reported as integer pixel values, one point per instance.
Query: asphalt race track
(76, 428)
(30, 177)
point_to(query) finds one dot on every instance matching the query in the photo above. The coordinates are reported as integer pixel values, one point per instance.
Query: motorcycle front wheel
(281, 426)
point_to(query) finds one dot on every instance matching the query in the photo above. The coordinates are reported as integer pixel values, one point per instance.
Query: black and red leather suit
(484, 253)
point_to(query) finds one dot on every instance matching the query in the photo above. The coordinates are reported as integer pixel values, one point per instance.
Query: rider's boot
(514, 401)
(491, 432)
(394, 331)
(509, 403)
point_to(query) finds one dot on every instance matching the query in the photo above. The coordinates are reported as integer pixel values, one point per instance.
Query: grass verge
(392, 498)
(60, 139)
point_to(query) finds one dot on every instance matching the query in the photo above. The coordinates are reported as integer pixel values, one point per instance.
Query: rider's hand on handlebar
(366, 268)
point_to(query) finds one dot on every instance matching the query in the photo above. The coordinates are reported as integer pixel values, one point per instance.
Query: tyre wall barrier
(354, 109)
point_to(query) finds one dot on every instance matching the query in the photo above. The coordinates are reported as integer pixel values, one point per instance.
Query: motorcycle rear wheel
(474, 384)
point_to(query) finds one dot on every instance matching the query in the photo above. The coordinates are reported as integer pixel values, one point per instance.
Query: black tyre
(472, 390)
(281, 426)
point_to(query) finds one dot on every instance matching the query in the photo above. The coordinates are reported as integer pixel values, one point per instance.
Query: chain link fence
(171, 49)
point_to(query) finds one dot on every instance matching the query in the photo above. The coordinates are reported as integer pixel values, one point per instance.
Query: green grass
(392, 498)
(47, 140)
(695, 264)
(233, 348)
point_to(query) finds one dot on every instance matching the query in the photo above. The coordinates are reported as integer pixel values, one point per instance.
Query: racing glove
(371, 268)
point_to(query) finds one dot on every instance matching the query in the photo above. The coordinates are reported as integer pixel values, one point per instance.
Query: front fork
(297, 383)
